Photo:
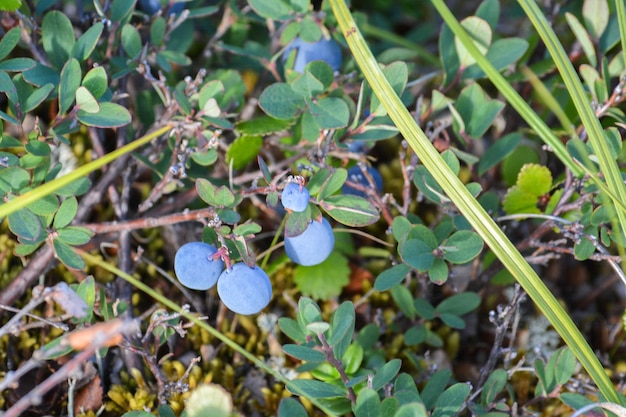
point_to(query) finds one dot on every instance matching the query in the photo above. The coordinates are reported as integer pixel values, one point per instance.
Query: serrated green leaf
(517, 200)
(462, 246)
(350, 210)
(57, 35)
(391, 277)
(244, 150)
(110, 115)
(325, 280)
(280, 101)
(535, 179)
(69, 83)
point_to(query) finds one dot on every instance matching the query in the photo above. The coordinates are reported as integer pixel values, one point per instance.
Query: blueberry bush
(302, 208)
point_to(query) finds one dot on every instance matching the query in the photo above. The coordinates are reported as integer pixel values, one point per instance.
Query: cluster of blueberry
(314, 245)
(244, 290)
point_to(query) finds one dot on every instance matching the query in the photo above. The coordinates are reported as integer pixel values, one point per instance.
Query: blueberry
(326, 50)
(313, 246)
(356, 175)
(244, 290)
(194, 266)
(295, 197)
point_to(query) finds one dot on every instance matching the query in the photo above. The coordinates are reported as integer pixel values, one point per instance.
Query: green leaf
(110, 115)
(459, 304)
(58, 39)
(417, 254)
(66, 212)
(477, 110)
(306, 85)
(385, 374)
(342, 324)
(451, 400)
(290, 407)
(404, 300)
(10, 5)
(434, 387)
(9, 41)
(85, 101)
(517, 200)
(330, 113)
(70, 81)
(37, 97)
(315, 389)
(297, 222)
(67, 255)
(535, 179)
(494, 386)
(353, 358)
(322, 72)
(276, 10)
(87, 42)
(131, 41)
(489, 11)
(462, 247)
(121, 9)
(76, 187)
(391, 277)
(498, 151)
(96, 81)
(452, 321)
(350, 210)
(262, 125)
(280, 101)
(583, 249)
(26, 225)
(244, 150)
(333, 183)
(17, 64)
(502, 54)
(45, 206)
(157, 31)
(596, 16)
(304, 353)
(247, 229)
(480, 32)
(583, 38)
(75, 235)
(13, 179)
(214, 196)
(411, 410)
(438, 272)
(292, 329)
(368, 404)
(325, 280)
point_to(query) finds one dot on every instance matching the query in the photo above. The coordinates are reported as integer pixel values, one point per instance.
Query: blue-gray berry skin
(244, 290)
(194, 266)
(326, 50)
(313, 246)
(295, 197)
(356, 175)
(151, 7)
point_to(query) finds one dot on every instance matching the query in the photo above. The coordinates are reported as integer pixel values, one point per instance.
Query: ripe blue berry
(356, 175)
(244, 290)
(295, 197)
(313, 246)
(326, 50)
(195, 267)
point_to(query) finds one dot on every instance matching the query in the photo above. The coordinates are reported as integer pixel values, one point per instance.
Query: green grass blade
(620, 9)
(475, 214)
(50, 187)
